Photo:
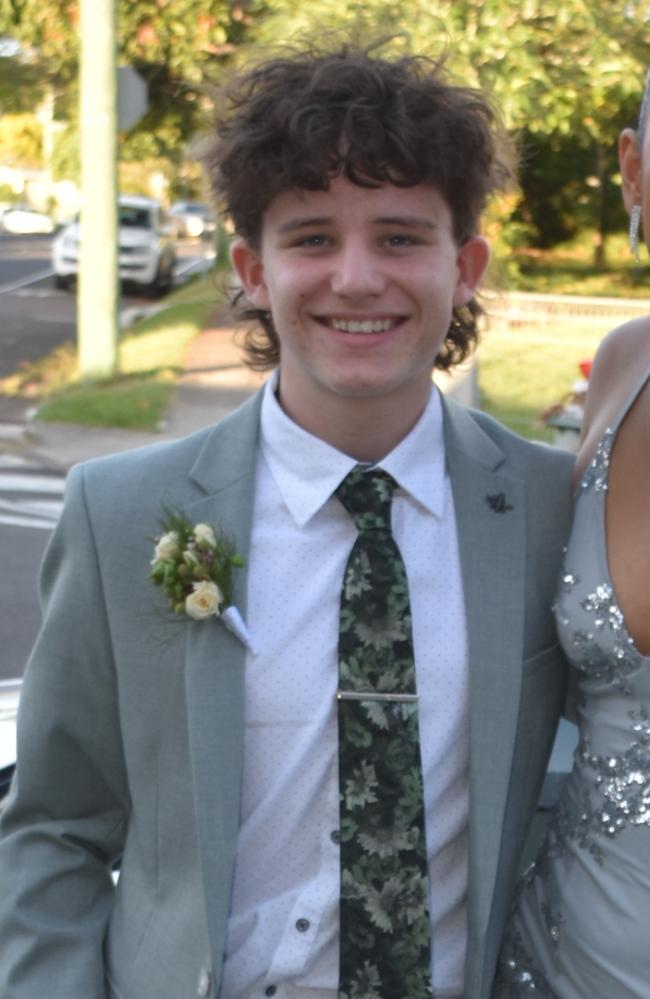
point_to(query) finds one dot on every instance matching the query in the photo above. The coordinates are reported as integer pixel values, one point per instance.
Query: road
(35, 316)
(30, 502)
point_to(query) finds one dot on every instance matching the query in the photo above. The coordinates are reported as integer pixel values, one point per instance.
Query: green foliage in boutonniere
(193, 566)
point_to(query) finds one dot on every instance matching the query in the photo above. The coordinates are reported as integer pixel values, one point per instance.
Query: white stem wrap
(235, 623)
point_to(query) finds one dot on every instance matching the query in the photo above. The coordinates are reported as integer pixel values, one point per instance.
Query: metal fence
(549, 316)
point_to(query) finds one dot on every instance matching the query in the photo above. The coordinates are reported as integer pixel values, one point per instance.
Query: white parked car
(24, 221)
(9, 697)
(191, 218)
(146, 254)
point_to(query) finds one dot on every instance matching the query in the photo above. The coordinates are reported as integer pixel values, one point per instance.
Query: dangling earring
(635, 221)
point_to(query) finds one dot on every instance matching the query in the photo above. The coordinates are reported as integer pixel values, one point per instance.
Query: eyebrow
(405, 221)
(303, 223)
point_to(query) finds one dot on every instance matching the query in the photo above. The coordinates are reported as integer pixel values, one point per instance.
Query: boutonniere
(193, 566)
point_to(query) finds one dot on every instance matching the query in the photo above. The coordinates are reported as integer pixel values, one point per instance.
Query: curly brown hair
(296, 122)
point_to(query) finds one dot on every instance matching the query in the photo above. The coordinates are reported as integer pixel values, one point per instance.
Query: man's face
(361, 283)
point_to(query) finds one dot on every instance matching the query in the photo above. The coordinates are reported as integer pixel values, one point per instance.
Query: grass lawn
(520, 377)
(132, 404)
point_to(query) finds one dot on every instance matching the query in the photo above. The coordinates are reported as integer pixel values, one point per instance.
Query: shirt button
(270, 991)
(204, 984)
(302, 925)
(335, 836)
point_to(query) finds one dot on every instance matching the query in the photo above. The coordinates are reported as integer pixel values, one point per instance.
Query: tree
(20, 140)
(65, 155)
(22, 87)
(183, 35)
(177, 45)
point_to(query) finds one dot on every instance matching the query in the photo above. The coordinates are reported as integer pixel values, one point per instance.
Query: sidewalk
(215, 382)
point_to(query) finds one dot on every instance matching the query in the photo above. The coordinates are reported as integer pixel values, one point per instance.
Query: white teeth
(362, 325)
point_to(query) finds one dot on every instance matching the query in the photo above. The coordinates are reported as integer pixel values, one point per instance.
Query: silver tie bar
(372, 695)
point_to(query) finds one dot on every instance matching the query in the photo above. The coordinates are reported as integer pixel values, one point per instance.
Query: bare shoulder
(620, 361)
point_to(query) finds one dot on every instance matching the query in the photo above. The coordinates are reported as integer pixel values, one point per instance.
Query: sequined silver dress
(580, 927)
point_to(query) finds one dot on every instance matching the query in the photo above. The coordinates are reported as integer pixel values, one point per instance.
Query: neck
(364, 429)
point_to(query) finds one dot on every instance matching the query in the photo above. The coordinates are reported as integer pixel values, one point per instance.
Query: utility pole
(97, 293)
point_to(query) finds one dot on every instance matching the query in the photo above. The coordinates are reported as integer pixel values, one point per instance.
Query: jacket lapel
(215, 663)
(490, 508)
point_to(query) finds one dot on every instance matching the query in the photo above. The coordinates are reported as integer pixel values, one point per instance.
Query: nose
(357, 273)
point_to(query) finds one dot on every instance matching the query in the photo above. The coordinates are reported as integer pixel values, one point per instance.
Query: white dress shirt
(283, 927)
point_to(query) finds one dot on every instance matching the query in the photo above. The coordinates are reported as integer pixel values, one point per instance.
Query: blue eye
(314, 240)
(401, 240)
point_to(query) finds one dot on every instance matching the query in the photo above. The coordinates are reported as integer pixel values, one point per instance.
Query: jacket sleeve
(65, 820)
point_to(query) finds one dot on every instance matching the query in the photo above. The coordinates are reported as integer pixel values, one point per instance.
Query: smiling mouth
(362, 325)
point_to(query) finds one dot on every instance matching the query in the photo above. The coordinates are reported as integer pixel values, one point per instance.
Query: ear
(629, 158)
(248, 264)
(473, 258)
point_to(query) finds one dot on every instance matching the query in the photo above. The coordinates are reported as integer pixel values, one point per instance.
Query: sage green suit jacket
(130, 725)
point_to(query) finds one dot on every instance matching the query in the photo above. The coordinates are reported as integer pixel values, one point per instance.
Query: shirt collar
(307, 469)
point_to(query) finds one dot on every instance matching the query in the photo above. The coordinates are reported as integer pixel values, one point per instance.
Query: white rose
(204, 535)
(204, 601)
(167, 547)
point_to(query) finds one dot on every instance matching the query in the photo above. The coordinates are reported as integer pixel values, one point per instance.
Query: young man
(334, 802)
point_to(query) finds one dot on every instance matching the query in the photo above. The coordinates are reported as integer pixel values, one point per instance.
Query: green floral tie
(385, 932)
